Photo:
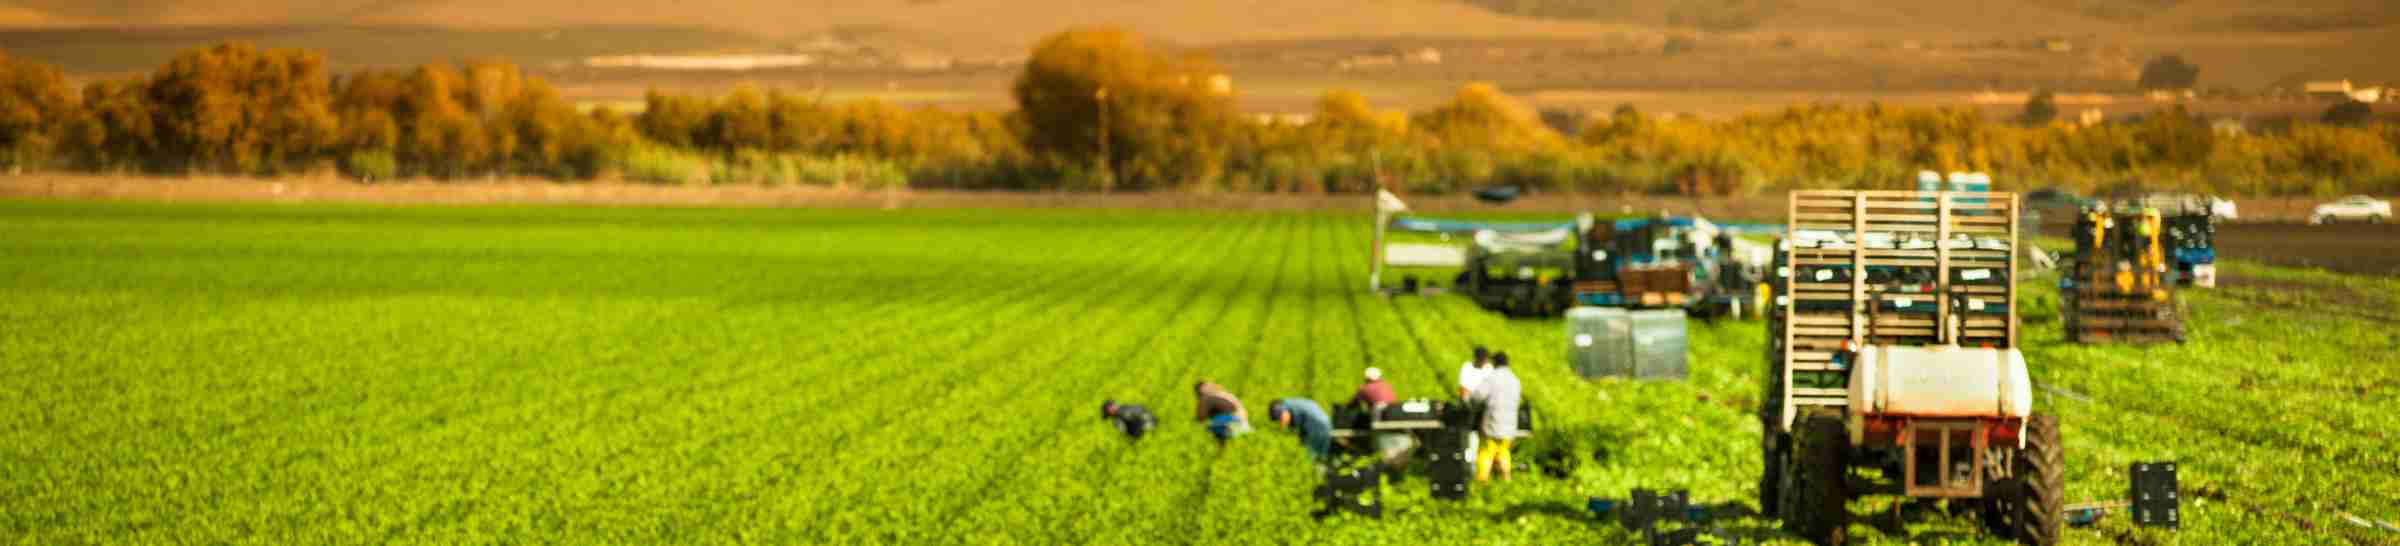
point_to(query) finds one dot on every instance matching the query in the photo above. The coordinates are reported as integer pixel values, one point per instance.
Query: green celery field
(337, 374)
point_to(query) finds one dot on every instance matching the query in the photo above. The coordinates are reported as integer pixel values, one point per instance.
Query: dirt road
(2349, 248)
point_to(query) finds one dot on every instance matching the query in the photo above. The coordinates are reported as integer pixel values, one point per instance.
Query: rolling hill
(2242, 44)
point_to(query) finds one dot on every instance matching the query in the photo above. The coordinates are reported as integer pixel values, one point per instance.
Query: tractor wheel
(2036, 503)
(1770, 501)
(1816, 495)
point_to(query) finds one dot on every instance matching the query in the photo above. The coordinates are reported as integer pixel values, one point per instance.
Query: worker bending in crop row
(1471, 375)
(1304, 417)
(1223, 412)
(1390, 446)
(1132, 419)
(1500, 394)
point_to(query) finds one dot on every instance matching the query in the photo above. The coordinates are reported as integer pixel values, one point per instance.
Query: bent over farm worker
(1305, 417)
(1224, 413)
(1132, 419)
(1500, 394)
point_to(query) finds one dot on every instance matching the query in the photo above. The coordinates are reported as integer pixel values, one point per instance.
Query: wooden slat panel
(1828, 332)
(1811, 356)
(1805, 391)
(1899, 205)
(1900, 332)
(1843, 401)
(1822, 226)
(1821, 320)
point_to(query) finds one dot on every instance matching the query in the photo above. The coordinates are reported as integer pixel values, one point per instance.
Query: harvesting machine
(1666, 261)
(2119, 285)
(2188, 231)
(1894, 347)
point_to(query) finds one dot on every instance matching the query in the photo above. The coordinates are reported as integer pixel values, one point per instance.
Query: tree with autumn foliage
(36, 106)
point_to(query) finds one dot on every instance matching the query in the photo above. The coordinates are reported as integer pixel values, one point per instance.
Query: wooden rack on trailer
(1892, 267)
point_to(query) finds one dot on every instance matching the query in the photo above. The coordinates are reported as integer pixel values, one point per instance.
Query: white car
(2223, 210)
(2356, 208)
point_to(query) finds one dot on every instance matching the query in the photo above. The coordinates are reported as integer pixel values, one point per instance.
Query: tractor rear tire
(1816, 492)
(2037, 502)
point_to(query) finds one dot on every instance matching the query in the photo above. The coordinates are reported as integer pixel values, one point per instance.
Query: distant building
(2090, 117)
(2059, 45)
(2342, 90)
(1425, 56)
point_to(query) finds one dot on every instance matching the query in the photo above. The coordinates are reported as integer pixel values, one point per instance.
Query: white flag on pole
(1386, 202)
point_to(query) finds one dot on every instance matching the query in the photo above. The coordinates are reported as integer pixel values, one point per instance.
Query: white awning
(1424, 255)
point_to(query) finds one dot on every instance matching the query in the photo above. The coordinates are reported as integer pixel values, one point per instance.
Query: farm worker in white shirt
(1471, 375)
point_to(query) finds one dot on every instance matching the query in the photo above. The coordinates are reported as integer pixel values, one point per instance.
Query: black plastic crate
(1450, 480)
(1444, 442)
(1646, 508)
(2156, 501)
(1355, 490)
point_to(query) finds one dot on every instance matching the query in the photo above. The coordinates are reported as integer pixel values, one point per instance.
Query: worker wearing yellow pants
(1493, 454)
(1500, 395)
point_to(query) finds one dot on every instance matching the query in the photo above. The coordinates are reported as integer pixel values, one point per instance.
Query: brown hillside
(2240, 43)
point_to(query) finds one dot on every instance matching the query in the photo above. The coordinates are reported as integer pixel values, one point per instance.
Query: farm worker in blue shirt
(1500, 394)
(1224, 413)
(1308, 419)
(1132, 419)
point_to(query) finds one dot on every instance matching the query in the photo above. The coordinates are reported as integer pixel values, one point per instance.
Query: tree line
(1098, 111)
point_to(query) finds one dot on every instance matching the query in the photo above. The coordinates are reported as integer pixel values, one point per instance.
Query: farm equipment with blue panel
(2187, 231)
(1643, 262)
(2119, 285)
(1541, 269)
(1893, 346)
